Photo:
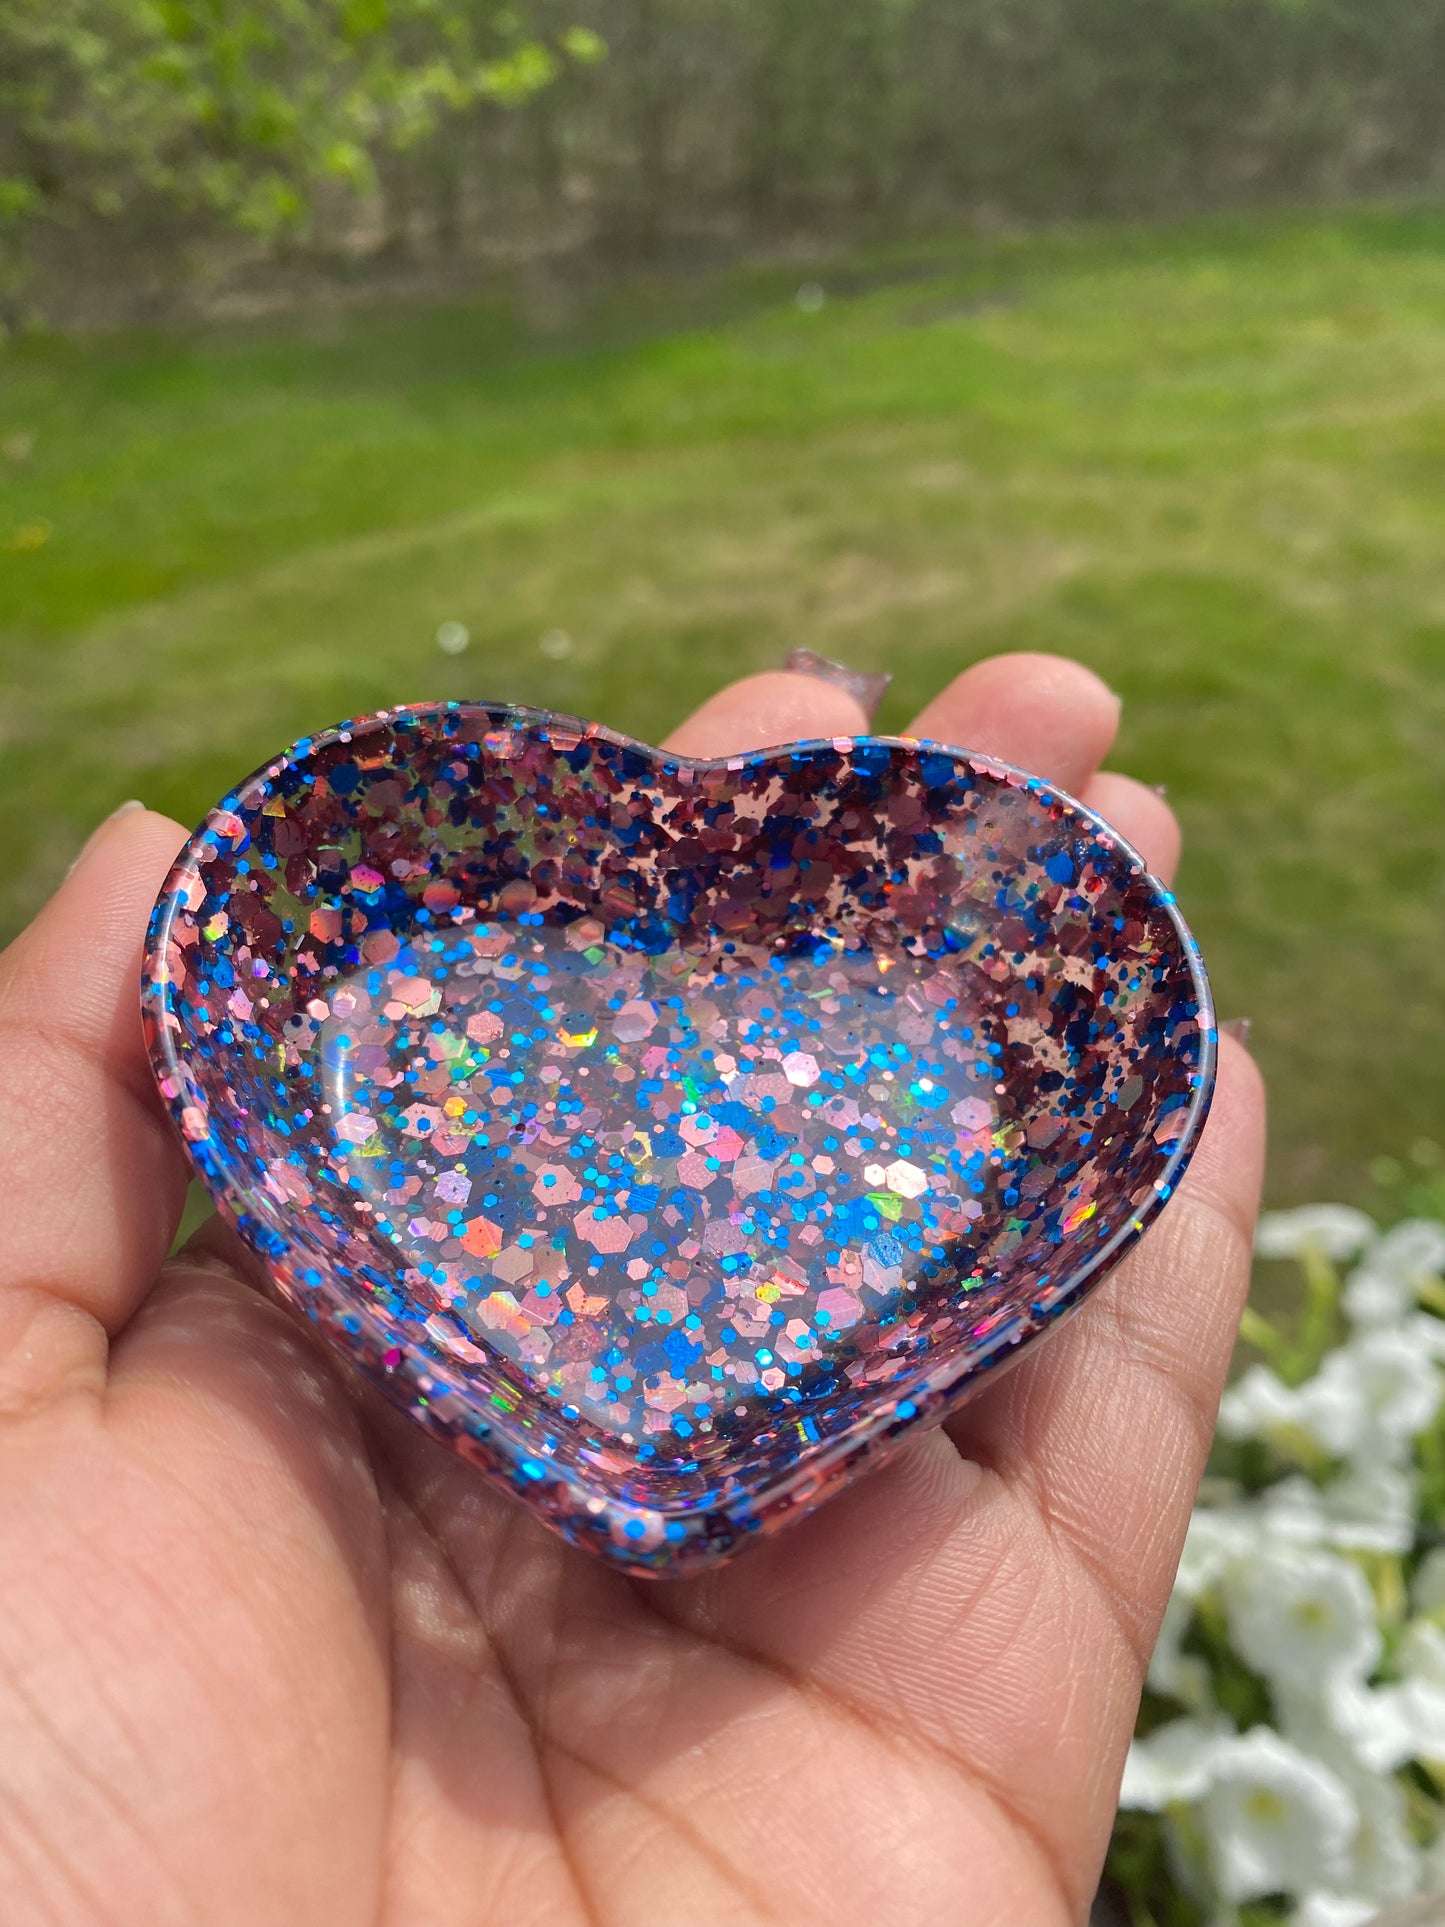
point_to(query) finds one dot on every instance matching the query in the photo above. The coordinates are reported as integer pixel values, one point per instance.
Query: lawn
(1209, 461)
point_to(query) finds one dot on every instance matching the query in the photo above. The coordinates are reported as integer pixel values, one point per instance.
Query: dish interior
(690, 1117)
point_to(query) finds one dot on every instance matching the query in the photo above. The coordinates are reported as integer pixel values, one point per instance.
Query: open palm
(270, 1656)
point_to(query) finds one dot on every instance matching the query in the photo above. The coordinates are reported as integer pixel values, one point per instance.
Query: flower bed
(1290, 1758)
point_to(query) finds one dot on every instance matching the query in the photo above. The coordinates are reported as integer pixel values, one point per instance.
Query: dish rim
(925, 1398)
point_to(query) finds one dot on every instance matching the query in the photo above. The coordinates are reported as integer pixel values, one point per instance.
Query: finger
(1140, 815)
(1108, 1425)
(92, 1181)
(761, 711)
(1044, 714)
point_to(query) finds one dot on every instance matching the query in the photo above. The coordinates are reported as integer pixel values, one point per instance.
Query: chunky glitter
(672, 1137)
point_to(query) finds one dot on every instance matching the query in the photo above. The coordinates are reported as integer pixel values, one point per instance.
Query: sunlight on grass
(1210, 462)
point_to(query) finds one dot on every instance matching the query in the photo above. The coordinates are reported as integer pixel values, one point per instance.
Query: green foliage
(238, 110)
(1293, 1345)
(583, 45)
(426, 124)
(1238, 1692)
(834, 99)
(1411, 1185)
(1140, 1870)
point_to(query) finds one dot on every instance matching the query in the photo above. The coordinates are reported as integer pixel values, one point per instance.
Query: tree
(236, 111)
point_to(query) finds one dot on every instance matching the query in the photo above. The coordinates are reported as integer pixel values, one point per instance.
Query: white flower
(1382, 1287)
(1428, 1591)
(1216, 1536)
(1294, 1511)
(1175, 1763)
(1183, 1676)
(1428, 1332)
(1352, 1727)
(1385, 1726)
(1328, 1410)
(1369, 1508)
(1255, 1404)
(1372, 1396)
(1372, 1507)
(1301, 1616)
(1334, 1910)
(1422, 1705)
(1421, 1659)
(1422, 1652)
(1384, 1860)
(1373, 1722)
(1399, 1381)
(1315, 1812)
(1385, 1863)
(1276, 1820)
(1333, 1230)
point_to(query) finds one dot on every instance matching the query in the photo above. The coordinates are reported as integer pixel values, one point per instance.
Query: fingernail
(100, 830)
(864, 686)
(1160, 789)
(1238, 1028)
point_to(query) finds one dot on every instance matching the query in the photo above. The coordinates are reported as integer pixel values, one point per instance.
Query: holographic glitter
(671, 1137)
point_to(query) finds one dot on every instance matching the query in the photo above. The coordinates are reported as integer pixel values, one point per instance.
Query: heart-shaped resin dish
(670, 1137)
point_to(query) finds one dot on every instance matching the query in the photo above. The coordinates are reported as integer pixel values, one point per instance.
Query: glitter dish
(671, 1138)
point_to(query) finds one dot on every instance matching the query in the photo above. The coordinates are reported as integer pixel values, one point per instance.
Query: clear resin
(671, 1137)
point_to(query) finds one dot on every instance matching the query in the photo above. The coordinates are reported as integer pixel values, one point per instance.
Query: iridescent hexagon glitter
(669, 1137)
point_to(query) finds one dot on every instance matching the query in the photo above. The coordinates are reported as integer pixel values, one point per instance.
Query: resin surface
(666, 1136)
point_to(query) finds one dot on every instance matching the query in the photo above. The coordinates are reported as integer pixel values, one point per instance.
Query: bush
(425, 126)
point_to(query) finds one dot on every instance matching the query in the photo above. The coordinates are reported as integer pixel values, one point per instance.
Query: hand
(270, 1656)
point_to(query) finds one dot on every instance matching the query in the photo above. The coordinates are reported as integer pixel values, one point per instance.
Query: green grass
(1209, 461)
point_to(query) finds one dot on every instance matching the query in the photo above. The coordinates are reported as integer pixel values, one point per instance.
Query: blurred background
(363, 351)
